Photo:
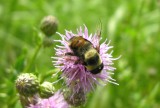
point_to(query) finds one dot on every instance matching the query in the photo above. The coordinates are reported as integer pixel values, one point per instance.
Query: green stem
(33, 58)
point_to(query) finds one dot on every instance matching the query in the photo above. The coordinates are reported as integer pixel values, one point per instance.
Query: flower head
(76, 75)
(27, 84)
(49, 25)
(46, 89)
(55, 101)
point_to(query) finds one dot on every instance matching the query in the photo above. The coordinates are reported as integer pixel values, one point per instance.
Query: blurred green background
(133, 26)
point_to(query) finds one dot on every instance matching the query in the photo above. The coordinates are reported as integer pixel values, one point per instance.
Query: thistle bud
(27, 84)
(76, 99)
(46, 90)
(49, 25)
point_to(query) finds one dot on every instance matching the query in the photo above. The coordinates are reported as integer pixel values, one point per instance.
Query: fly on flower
(84, 62)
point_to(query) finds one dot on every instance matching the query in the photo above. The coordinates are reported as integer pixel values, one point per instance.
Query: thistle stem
(33, 57)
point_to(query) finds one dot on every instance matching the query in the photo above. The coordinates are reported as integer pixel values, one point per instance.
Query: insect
(87, 54)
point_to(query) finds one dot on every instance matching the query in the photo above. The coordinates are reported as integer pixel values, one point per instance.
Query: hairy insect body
(86, 52)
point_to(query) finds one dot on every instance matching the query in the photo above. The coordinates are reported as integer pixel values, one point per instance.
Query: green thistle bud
(49, 25)
(77, 99)
(46, 90)
(27, 84)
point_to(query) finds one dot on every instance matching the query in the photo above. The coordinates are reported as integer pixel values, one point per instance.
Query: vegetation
(133, 26)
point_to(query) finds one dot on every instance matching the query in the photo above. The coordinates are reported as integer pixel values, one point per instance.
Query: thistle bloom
(77, 77)
(55, 101)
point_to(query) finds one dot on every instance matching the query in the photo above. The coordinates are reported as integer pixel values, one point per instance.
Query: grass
(132, 26)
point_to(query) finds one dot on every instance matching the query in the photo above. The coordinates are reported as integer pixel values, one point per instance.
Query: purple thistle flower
(76, 75)
(55, 101)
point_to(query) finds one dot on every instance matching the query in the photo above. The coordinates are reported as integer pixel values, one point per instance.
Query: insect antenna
(99, 29)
